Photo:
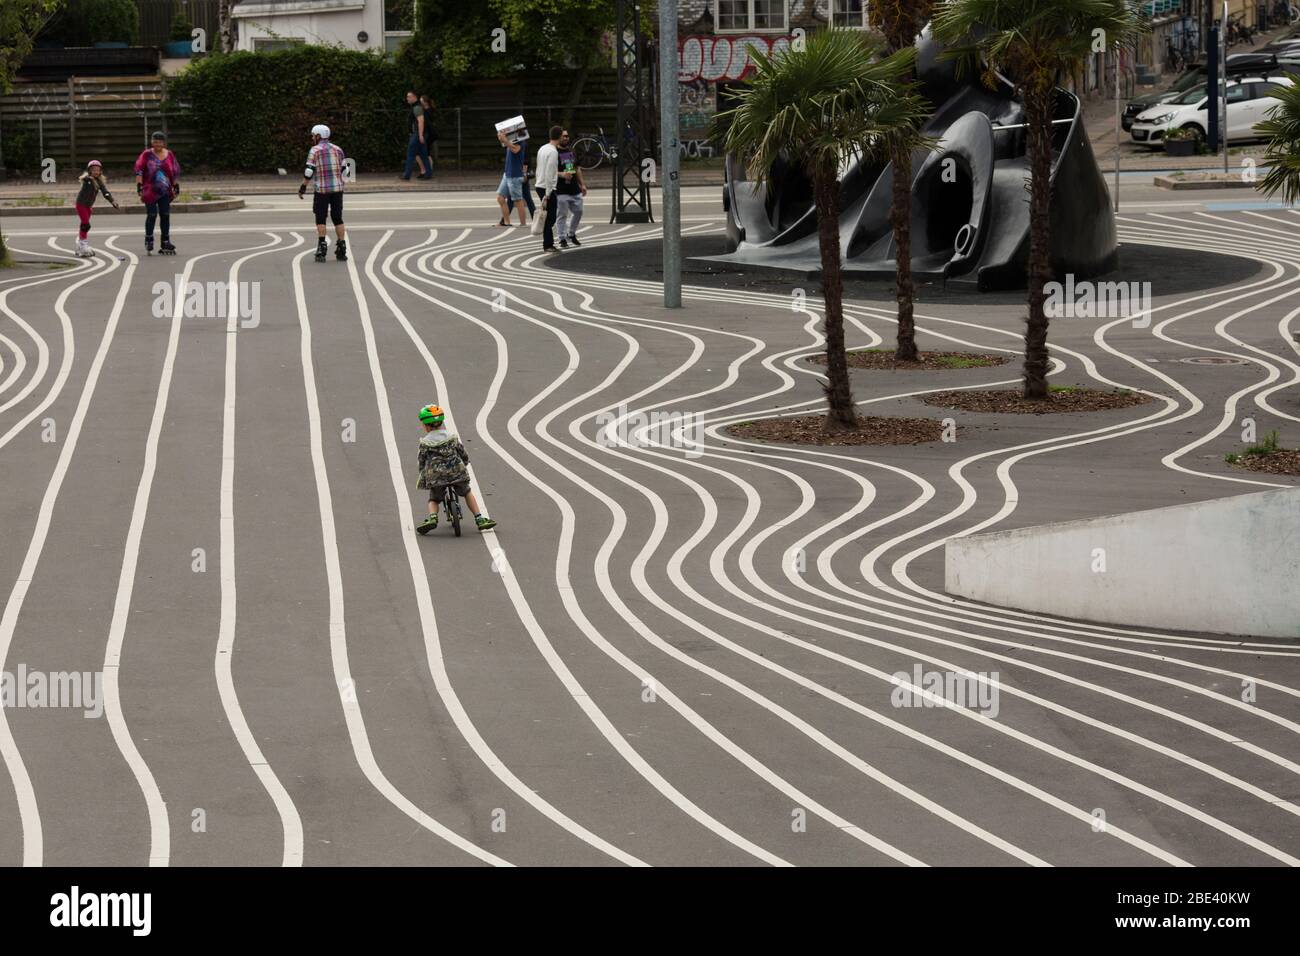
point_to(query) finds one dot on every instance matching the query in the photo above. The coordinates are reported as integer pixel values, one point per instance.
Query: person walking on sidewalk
(528, 189)
(415, 139)
(548, 163)
(92, 184)
(510, 194)
(157, 182)
(430, 130)
(569, 189)
(324, 170)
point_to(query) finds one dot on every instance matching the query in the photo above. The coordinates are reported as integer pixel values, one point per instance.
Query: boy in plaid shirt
(325, 169)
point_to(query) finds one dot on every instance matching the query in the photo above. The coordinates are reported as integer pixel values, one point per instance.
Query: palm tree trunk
(1038, 115)
(901, 216)
(840, 413)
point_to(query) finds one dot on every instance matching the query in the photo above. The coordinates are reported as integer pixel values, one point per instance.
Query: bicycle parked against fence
(592, 149)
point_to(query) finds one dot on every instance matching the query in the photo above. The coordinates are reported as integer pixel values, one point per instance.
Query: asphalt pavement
(677, 647)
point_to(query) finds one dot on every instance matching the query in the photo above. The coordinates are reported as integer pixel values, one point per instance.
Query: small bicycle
(451, 503)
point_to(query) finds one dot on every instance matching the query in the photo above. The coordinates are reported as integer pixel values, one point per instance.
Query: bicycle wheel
(455, 514)
(588, 154)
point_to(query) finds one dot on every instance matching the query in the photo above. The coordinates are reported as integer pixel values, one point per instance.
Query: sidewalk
(236, 184)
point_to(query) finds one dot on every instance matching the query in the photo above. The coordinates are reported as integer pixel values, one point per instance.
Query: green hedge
(255, 111)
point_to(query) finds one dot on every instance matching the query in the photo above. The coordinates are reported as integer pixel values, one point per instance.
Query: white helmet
(321, 130)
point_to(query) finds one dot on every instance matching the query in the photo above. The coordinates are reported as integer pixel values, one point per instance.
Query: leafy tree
(1282, 130)
(900, 21)
(821, 106)
(20, 21)
(1035, 43)
(454, 41)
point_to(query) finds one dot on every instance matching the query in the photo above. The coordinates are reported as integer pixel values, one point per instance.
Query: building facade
(352, 24)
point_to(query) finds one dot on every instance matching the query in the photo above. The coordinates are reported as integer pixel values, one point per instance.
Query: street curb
(215, 205)
(1232, 182)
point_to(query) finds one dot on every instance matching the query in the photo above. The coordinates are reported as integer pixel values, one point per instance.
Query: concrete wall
(1227, 566)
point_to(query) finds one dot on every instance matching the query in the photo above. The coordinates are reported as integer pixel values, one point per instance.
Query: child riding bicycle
(442, 465)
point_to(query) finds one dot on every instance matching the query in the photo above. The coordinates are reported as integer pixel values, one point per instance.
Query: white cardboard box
(515, 129)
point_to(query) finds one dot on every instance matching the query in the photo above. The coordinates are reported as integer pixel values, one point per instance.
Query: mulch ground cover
(1060, 399)
(811, 430)
(933, 361)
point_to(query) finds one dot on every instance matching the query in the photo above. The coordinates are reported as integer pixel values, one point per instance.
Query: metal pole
(1118, 127)
(458, 139)
(1223, 65)
(669, 155)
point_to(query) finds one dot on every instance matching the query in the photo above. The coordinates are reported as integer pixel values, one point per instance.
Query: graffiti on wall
(697, 102)
(713, 58)
(702, 62)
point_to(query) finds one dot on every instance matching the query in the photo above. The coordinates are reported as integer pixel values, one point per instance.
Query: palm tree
(1282, 130)
(822, 105)
(900, 21)
(1034, 43)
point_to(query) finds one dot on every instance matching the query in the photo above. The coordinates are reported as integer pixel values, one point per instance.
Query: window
(1239, 93)
(399, 16)
(737, 16)
(399, 23)
(849, 14)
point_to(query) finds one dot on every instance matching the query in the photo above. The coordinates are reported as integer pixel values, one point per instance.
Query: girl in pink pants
(92, 184)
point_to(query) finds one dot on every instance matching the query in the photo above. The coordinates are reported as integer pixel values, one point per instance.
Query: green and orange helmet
(432, 415)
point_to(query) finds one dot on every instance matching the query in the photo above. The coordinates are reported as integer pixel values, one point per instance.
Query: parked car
(1239, 64)
(1248, 103)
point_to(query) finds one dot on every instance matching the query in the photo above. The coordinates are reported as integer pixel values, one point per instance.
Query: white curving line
(1083, 629)
(1082, 815)
(500, 560)
(28, 809)
(1080, 627)
(159, 832)
(290, 821)
(626, 613)
(42, 349)
(20, 363)
(420, 580)
(353, 717)
(1195, 406)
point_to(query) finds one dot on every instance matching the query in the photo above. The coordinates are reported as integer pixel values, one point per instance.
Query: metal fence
(107, 118)
(110, 118)
(467, 134)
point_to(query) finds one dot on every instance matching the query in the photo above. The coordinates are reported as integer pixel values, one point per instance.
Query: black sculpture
(970, 201)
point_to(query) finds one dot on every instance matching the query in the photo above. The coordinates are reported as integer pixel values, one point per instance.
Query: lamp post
(669, 158)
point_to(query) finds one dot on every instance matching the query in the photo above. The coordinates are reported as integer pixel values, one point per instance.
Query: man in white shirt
(548, 173)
